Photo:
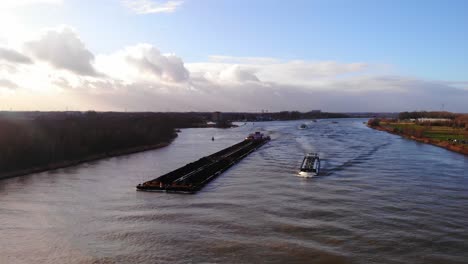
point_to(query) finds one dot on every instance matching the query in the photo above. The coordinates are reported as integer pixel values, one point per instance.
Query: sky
(233, 55)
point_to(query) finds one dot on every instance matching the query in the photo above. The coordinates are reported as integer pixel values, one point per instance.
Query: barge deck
(193, 176)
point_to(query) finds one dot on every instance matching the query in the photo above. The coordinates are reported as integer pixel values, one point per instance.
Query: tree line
(426, 114)
(453, 119)
(53, 138)
(282, 115)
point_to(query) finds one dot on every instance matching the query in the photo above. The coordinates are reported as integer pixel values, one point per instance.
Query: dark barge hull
(193, 176)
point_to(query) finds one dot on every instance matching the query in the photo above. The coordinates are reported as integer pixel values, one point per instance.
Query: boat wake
(357, 160)
(305, 174)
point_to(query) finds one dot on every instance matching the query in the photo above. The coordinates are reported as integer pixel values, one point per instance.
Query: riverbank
(71, 163)
(34, 142)
(455, 147)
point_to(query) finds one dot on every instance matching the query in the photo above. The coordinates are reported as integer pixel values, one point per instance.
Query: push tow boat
(193, 176)
(311, 163)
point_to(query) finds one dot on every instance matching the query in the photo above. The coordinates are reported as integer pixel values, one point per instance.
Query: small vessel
(311, 163)
(257, 136)
(303, 126)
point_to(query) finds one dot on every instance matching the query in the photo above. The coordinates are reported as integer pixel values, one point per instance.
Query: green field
(441, 133)
(445, 133)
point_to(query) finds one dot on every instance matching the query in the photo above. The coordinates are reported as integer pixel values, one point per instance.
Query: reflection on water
(380, 199)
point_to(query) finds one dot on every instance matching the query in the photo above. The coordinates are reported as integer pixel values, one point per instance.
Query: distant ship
(311, 163)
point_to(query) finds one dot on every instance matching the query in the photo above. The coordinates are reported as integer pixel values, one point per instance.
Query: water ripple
(380, 199)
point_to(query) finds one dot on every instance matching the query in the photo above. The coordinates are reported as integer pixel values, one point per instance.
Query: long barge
(193, 176)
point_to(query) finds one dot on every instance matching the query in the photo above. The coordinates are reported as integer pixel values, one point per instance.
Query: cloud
(144, 62)
(296, 72)
(8, 69)
(331, 86)
(63, 49)
(13, 56)
(252, 96)
(142, 78)
(237, 74)
(7, 84)
(142, 7)
(227, 74)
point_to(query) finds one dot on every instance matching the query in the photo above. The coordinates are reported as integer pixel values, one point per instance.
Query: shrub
(374, 122)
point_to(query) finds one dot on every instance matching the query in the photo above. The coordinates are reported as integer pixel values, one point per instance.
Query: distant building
(263, 118)
(432, 119)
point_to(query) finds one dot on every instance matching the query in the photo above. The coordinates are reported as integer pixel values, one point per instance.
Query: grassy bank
(448, 137)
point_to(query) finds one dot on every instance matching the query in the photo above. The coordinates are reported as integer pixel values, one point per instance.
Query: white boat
(311, 163)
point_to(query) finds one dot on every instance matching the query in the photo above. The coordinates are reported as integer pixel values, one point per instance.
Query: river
(380, 199)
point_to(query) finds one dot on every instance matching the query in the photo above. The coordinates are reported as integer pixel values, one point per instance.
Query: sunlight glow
(7, 4)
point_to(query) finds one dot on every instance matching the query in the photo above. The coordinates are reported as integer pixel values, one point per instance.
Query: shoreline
(440, 144)
(71, 163)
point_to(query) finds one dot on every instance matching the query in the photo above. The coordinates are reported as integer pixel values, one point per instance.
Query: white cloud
(7, 84)
(142, 78)
(63, 49)
(225, 73)
(13, 56)
(143, 62)
(237, 74)
(294, 72)
(150, 7)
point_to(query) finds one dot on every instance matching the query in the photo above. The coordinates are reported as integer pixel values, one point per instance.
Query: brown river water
(379, 199)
